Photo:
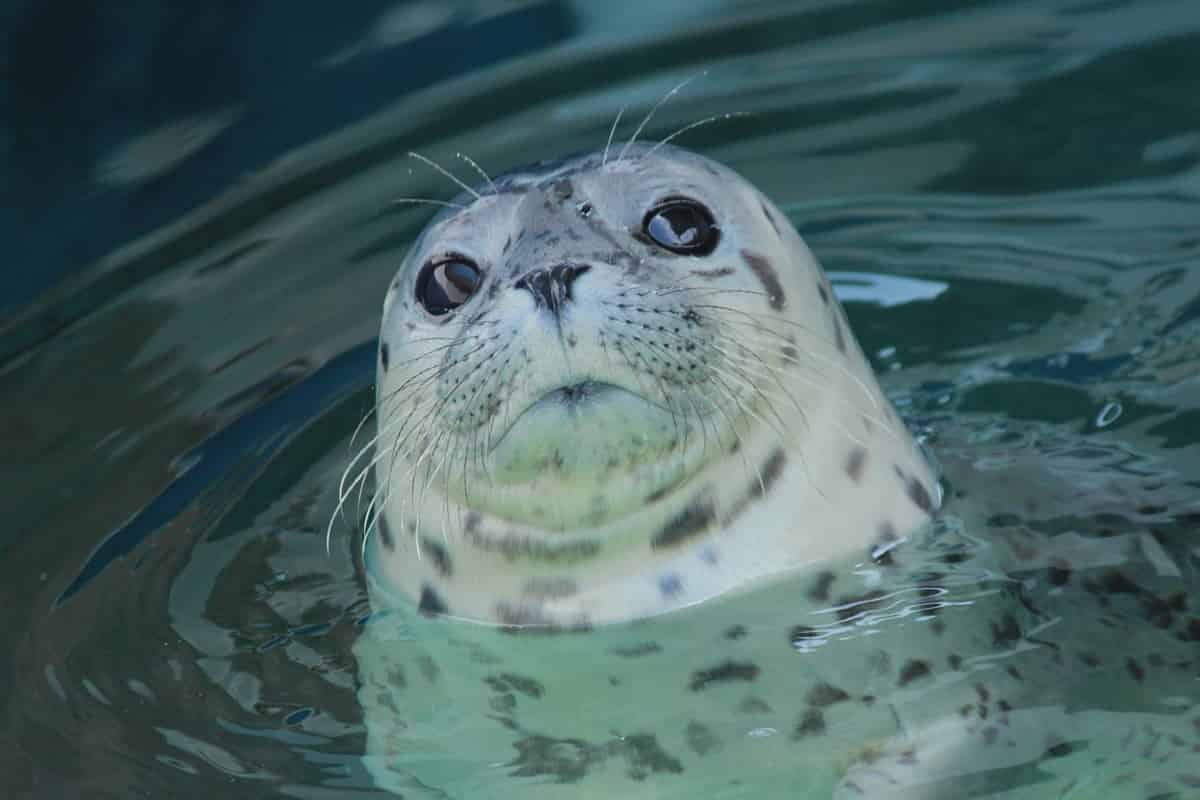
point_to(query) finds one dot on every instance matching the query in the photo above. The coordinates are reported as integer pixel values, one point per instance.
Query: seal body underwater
(645, 525)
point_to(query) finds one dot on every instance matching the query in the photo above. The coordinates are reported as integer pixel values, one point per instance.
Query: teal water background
(200, 228)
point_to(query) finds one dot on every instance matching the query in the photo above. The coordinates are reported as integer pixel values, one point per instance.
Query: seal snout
(552, 287)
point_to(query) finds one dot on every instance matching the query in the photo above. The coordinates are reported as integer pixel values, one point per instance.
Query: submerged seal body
(613, 388)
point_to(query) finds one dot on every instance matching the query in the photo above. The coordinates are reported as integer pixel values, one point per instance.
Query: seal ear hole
(683, 226)
(444, 285)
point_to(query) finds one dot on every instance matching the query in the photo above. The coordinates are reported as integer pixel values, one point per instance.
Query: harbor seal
(645, 525)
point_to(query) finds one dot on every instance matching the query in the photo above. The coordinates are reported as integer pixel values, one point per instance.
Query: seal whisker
(480, 170)
(654, 108)
(611, 132)
(697, 124)
(755, 324)
(398, 201)
(444, 171)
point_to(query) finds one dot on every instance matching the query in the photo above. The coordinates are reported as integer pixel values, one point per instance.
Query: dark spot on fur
(1006, 632)
(561, 760)
(725, 672)
(441, 558)
(823, 694)
(514, 547)
(770, 217)
(912, 670)
(385, 534)
(656, 495)
(700, 738)
(839, 336)
(429, 670)
(1014, 672)
(955, 661)
(769, 472)
(811, 724)
(637, 650)
(765, 272)
(982, 692)
(689, 522)
(852, 608)
(802, 633)
(383, 355)
(563, 189)
(670, 585)
(644, 756)
(735, 632)
(709, 274)
(989, 735)
(431, 602)
(519, 683)
(919, 495)
(819, 593)
(855, 462)
(503, 704)
(754, 705)
(1136, 670)
(1089, 659)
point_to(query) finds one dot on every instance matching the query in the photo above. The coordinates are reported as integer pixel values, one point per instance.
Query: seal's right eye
(682, 226)
(445, 285)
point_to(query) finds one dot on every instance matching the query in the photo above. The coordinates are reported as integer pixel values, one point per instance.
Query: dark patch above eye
(444, 285)
(682, 226)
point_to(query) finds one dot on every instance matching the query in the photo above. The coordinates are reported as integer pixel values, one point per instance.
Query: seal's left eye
(682, 226)
(445, 285)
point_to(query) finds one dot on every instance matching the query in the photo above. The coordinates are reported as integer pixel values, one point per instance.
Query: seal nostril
(552, 287)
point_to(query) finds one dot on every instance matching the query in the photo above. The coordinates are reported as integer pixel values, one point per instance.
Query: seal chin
(583, 429)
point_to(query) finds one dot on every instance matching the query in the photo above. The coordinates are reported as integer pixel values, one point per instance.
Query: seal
(619, 406)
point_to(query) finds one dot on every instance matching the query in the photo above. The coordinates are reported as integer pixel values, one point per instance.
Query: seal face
(611, 388)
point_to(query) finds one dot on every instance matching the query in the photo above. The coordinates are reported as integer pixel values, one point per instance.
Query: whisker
(697, 124)
(650, 114)
(480, 170)
(611, 132)
(444, 171)
(403, 200)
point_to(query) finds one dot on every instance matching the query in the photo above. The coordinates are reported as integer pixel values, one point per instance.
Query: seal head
(611, 388)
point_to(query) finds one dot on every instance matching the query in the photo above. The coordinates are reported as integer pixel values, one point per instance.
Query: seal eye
(682, 226)
(445, 285)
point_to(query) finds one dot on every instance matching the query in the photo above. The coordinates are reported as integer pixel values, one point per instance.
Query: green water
(200, 226)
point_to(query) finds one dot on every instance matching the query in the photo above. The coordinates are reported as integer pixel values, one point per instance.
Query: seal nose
(552, 287)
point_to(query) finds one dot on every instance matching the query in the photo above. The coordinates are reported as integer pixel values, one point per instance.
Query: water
(200, 233)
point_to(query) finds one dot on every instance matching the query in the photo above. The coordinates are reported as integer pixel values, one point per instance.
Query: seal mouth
(578, 406)
(578, 394)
